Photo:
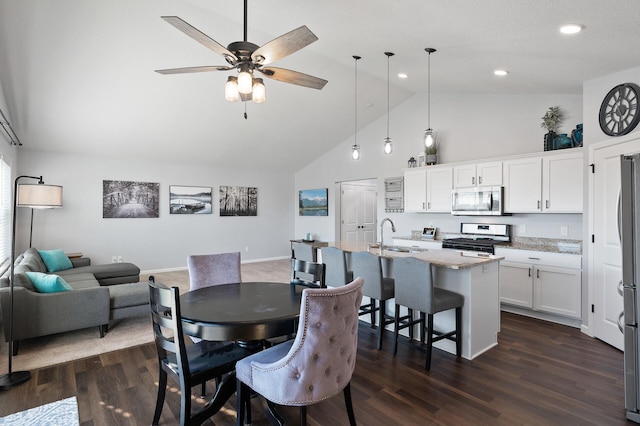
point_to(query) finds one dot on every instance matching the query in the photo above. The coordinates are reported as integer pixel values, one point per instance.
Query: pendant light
(388, 147)
(355, 149)
(429, 135)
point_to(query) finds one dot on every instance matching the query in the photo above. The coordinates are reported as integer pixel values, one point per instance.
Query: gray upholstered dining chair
(376, 287)
(187, 365)
(213, 269)
(337, 272)
(415, 290)
(314, 366)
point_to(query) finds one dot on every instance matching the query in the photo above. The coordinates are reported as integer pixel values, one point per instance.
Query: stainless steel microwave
(480, 201)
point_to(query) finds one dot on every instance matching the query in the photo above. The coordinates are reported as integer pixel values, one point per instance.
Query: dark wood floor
(539, 374)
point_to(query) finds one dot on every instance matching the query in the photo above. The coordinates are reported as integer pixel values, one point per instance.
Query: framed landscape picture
(126, 199)
(238, 201)
(313, 202)
(190, 199)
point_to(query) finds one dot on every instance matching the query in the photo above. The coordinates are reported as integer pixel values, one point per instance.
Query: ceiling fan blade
(284, 45)
(199, 36)
(194, 69)
(293, 77)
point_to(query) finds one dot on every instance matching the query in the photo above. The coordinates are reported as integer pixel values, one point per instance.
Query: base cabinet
(528, 282)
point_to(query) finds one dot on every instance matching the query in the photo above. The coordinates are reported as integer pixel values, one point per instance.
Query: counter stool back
(300, 269)
(415, 290)
(376, 287)
(337, 273)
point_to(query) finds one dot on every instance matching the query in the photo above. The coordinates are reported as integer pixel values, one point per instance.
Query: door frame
(589, 327)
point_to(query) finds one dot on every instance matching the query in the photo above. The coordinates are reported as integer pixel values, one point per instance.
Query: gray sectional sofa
(99, 293)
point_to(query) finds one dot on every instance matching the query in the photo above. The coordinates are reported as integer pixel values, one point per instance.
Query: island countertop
(451, 259)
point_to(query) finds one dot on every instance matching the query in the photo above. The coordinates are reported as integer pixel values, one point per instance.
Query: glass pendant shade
(388, 147)
(429, 138)
(245, 82)
(355, 152)
(259, 91)
(231, 89)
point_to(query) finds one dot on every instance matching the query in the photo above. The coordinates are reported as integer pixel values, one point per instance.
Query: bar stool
(376, 287)
(337, 273)
(415, 290)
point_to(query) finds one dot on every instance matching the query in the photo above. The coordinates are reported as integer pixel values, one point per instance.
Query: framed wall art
(238, 201)
(313, 202)
(127, 199)
(190, 199)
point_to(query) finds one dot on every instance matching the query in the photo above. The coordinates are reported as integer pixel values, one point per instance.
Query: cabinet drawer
(562, 260)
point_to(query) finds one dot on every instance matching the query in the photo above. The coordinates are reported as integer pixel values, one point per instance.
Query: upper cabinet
(480, 174)
(546, 184)
(415, 190)
(439, 181)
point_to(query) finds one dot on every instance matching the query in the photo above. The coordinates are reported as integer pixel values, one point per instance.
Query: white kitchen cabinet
(545, 184)
(415, 190)
(477, 174)
(439, 186)
(541, 281)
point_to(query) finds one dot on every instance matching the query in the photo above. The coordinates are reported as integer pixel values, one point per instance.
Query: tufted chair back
(319, 362)
(213, 269)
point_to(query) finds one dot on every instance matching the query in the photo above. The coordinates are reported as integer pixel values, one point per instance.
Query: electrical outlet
(120, 260)
(522, 229)
(114, 259)
(564, 231)
(246, 248)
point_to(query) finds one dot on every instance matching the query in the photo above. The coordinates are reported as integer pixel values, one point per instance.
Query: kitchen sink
(400, 249)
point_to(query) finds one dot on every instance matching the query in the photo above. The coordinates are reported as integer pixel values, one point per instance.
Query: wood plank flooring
(539, 374)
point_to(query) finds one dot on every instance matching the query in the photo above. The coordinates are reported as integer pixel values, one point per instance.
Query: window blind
(5, 210)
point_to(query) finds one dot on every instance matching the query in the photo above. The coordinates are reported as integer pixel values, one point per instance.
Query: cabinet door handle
(473, 180)
(479, 180)
(429, 205)
(547, 203)
(529, 271)
(537, 273)
(538, 204)
(423, 206)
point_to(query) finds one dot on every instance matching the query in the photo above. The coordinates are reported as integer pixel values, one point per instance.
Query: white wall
(164, 242)
(470, 127)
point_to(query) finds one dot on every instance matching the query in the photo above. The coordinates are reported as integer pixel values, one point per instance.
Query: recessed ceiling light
(501, 73)
(571, 28)
(402, 75)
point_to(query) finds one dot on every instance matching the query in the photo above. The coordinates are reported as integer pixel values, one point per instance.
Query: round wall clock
(619, 110)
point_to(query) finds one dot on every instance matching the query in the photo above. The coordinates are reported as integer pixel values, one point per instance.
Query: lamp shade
(39, 196)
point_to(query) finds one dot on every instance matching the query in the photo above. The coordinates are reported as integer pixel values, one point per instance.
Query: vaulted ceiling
(78, 76)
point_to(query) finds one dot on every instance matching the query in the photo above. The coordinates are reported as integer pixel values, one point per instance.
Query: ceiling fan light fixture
(259, 91)
(245, 80)
(231, 89)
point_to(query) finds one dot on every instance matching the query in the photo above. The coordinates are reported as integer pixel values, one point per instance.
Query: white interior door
(358, 212)
(607, 253)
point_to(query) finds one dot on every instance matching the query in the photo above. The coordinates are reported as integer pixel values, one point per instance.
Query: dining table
(247, 313)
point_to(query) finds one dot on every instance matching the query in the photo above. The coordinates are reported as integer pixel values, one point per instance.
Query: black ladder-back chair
(315, 271)
(415, 290)
(187, 365)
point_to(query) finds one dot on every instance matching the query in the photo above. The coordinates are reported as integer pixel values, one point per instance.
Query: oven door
(477, 201)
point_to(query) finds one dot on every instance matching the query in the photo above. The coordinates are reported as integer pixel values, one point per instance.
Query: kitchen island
(474, 276)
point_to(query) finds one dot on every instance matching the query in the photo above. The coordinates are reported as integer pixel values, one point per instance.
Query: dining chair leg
(203, 389)
(423, 322)
(459, 331)
(349, 404)
(162, 390)
(427, 365)
(410, 313)
(396, 327)
(373, 312)
(303, 415)
(185, 405)
(242, 392)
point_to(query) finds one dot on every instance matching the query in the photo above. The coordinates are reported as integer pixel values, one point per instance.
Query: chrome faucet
(393, 229)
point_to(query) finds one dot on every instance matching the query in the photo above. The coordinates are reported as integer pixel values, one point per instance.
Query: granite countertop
(443, 258)
(552, 245)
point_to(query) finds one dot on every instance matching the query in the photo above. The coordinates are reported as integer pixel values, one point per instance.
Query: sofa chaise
(98, 293)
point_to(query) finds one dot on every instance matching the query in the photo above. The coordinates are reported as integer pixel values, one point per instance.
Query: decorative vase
(576, 136)
(561, 141)
(548, 140)
(411, 162)
(431, 159)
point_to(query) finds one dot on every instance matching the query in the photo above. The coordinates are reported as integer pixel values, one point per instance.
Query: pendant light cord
(389, 54)
(429, 50)
(355, 133)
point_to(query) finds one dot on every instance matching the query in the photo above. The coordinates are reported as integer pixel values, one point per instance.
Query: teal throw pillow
(48, 283)
(55, 260)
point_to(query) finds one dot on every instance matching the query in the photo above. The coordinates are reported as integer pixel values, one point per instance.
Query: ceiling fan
(247, 57)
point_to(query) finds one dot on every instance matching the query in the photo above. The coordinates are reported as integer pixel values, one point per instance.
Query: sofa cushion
(125, 295)
(21, 280)
(32, 260)
(55, 260)
(80, 281)
(108, 273)
(48, 283)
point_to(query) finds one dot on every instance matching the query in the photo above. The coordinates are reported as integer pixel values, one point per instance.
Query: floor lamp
(35, 196)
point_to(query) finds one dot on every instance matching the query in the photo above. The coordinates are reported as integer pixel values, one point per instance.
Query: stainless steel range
(479, 237)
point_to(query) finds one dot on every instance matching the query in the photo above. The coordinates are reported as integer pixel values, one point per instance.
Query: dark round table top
(247, 311)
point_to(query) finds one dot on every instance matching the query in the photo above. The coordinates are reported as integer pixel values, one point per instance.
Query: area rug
(58, 413)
